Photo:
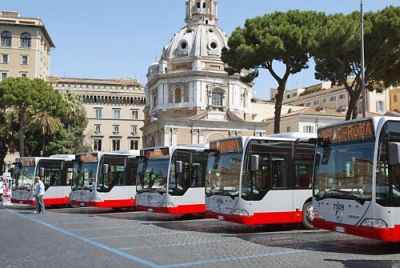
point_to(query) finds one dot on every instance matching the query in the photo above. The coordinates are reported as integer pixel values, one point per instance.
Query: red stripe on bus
(48, 202)
(263, 218)
(178, 210)
(53, 201)
(24, 202)
(384, 234)
(116, 203)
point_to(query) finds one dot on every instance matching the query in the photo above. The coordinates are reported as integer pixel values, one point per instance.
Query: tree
(338, 53)
(285, 38)
(19, 94)
(48, 125)
(43, 120)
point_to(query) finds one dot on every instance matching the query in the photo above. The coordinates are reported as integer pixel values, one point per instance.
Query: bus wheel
(308, 215)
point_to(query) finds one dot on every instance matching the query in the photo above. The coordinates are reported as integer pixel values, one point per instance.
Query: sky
(121, 38)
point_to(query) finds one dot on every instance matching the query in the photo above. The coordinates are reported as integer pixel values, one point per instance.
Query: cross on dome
(201, 12)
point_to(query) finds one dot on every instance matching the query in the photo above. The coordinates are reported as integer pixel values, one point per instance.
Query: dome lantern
(201, 12)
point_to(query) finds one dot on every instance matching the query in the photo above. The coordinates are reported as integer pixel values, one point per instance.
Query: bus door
(272, 176)
(52, 173)
(303, 163)
(111, 173)
(180, 173)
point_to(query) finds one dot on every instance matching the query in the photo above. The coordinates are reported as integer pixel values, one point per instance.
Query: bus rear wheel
(308, 215)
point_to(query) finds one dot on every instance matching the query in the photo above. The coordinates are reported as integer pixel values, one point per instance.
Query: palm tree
(49, 125)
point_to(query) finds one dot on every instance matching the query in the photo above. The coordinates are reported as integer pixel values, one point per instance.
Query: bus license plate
(221, 218)
(82, 204)
(340, 229)
(150, 210)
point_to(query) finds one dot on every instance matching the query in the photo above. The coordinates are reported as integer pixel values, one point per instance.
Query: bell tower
(201, 12)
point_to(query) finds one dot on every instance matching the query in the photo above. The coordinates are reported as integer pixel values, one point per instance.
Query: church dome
(201, 36)
(196, 41)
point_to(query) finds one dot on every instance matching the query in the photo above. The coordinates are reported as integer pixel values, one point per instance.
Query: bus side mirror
(105, 169)
(179, 167)
(394, 153)
(254, 162)
(41, 172)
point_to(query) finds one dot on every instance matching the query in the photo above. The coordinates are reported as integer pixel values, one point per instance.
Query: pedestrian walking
(39, 194)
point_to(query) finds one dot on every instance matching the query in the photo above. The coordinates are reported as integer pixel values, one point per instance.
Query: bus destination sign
(227, 146)
(358, 131)
(27, 161)
(156, 153)
(88, 158)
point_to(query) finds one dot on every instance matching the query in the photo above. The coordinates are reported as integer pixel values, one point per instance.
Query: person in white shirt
(39, 194)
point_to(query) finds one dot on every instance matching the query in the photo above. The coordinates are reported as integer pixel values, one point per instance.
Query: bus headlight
(240, 212)
(375, 223)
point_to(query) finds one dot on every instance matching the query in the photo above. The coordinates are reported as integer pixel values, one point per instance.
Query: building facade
(191, 99)
(114, 110)
(394, 95)
(306, 120)
(25, 46)
(336, 98)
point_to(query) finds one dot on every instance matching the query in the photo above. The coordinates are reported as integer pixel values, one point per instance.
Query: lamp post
(363, 88)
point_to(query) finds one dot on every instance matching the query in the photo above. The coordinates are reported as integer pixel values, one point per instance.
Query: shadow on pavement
(151, 217)
(323, 242)
(367, 263)
(214, 226)
(85, 210)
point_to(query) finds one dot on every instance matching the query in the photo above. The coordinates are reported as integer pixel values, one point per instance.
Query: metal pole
(363, 88)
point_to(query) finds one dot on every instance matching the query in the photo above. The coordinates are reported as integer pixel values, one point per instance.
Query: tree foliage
(338, 52)
(281, 37)
(39, 119)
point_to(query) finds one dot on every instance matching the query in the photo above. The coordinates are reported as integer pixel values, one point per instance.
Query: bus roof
(66, 157)
(375, 119)
(127, 153)
(197, 147)
(294, 136)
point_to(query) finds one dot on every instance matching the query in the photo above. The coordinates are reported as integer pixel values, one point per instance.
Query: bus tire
(308, 215)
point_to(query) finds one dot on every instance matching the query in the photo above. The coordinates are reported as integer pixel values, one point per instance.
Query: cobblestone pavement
(103, 238)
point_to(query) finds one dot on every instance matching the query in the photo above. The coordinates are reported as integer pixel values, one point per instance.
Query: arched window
(178, 95)
(217, 98)
(6, 38)
(26, 40)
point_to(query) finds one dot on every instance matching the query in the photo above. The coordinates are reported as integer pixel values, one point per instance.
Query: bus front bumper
(118, 203)
(177, 210)
(261, 218)
(391, 234)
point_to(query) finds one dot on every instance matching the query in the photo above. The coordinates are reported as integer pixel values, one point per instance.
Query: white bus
(357, 178)
(105, 180)
(171, 179)
(56, 173)
(261, 180)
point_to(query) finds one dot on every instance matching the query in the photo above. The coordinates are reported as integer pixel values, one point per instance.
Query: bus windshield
(25, 174)
(344, 171)
(152, 171)
(86, 172)
(224, 167)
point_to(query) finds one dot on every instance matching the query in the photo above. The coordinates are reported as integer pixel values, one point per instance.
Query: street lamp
(363, 88)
